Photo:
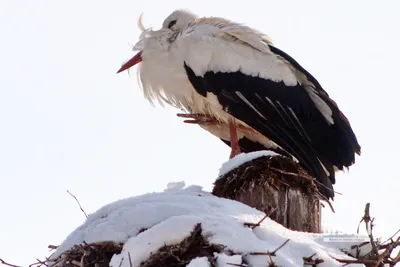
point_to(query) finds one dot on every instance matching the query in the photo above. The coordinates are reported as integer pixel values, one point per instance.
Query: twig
(281, 246)
(273, 253)
(40, 262)
(312, 179)
(52, 247)
(254, 225)
(373, 258)
(8, 264)
(271, 262)
(390, 238)
(368, 227)
(324, 198)
(311, 261)
(78, 203)
(120, 264)
(396, 259)
(130, 260)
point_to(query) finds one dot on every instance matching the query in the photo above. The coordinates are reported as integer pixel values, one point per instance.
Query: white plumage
(208, 44)
(234, 74)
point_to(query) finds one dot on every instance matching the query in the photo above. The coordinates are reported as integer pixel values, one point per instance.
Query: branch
(254, 225)
(273, 253)
(373, 258)
(311, 261)
(8, 264)
(78, 203)
(368, 227)
(391, 238)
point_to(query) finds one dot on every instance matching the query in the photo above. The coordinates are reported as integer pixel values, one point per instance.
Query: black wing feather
(287, 116)
(277, 125)
(342, 142)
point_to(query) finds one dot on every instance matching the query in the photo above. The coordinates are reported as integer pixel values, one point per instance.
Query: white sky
(69, 122)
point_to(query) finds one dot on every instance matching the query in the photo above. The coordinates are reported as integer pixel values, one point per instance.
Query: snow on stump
(274, 184)
(189, 227)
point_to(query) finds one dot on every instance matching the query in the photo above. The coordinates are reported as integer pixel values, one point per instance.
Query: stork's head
(160, 40)
(178, 20)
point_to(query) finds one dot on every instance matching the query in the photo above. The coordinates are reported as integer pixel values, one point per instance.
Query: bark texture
(277, 186)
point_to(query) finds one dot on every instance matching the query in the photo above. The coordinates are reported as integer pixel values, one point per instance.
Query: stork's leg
(205, 119)
(235, 147)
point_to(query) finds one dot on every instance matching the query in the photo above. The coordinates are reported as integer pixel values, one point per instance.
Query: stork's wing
(261, 104)
(342, 140)
(268, 90)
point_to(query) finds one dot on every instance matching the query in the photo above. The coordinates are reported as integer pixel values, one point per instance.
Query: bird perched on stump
(232, 81)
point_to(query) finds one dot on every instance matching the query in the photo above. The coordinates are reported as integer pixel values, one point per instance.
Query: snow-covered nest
(189, 227)
(262, 168)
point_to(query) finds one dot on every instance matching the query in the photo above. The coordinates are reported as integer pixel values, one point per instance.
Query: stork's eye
(171, 24)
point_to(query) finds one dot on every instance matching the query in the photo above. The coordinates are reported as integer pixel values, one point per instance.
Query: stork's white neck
(163, 79)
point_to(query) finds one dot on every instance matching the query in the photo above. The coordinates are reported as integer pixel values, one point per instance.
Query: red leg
(235, 148)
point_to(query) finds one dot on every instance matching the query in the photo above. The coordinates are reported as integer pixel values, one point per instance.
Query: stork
(232, 81)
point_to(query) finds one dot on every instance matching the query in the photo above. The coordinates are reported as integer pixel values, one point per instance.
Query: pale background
(69, 122)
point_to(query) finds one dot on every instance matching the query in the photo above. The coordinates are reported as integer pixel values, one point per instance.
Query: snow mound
(242, 158)
(145, 224)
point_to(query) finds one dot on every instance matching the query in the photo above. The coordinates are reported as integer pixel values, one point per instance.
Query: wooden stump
(275, 185)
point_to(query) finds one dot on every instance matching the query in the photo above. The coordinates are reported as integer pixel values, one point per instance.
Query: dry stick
(368, 227)
(304, 177)
(358, 249)
(311, 261)
(78, 203)
(41, 263)
(396, 259)
(271, 262)
(390, 238)
(8, 264)
(381, 257)
(120, 264)
(130, 260)
(375, 259)
(52, 247)
(389, 249)
(273, 253)
(254, 225)
(281, 246)
(38, 263)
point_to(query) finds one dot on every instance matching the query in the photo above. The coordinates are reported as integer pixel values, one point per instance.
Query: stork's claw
(198, 118)
(206, 119)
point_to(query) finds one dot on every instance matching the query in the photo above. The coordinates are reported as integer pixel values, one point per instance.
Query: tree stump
(277, 186)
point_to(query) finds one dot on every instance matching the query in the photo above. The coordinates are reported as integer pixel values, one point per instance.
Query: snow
(242, 158)
(199, 262)
(174, 186)
(170, 216)
(223, 260)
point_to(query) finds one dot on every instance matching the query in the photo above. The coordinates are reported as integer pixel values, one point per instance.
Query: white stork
(236, 84)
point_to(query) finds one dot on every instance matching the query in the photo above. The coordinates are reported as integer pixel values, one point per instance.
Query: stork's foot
(234, 152)
(197, 118)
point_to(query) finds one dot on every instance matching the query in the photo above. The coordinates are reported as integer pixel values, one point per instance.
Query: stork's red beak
(131, 62)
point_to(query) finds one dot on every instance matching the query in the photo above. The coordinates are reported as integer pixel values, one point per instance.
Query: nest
(179, 255)
(88, 255)
(277, 171)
